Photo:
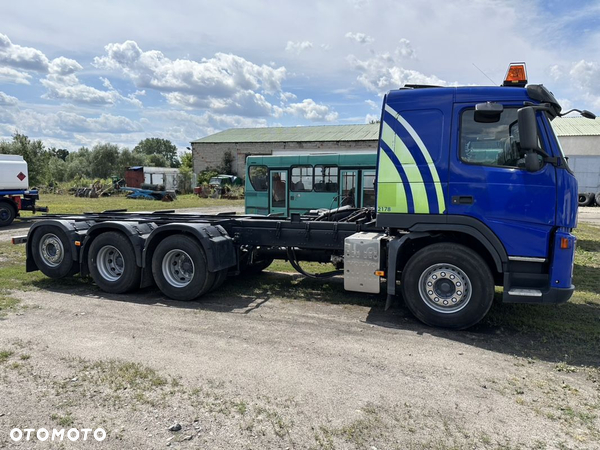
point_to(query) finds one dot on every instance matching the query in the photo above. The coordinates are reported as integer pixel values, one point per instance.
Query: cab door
(488, 181)
(278, 192)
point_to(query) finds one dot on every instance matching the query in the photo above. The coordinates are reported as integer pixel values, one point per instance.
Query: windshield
(214, 180)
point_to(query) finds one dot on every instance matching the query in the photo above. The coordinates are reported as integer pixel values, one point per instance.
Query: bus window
(326, 179)
(349, 187)
(368, 191)
(302, 179)
(258, 177)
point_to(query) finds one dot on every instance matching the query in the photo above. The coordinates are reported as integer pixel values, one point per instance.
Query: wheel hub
(51, 249)
(178, 268)
(445, 288)
(110, 263)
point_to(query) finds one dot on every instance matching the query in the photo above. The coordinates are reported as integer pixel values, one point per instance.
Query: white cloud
(583, 79)
(312, 111)
(373, 105)
(370, 118)
(26, 58)
(360, 38)
(64, 66)
(298, 47)
(7, 100)
(226, 82)
(9, 75)
(383, 71)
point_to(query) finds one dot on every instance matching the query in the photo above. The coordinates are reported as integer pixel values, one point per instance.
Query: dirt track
(242, 371)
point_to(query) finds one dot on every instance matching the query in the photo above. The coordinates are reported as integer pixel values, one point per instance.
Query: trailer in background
(166, 177)
(15, 195)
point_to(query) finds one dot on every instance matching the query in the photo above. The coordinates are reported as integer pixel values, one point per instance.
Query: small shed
(163, 176)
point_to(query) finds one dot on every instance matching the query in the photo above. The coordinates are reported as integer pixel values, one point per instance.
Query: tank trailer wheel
(7, 214)
(448, 285)
(112, 263)
(180, 269)
(52, 252)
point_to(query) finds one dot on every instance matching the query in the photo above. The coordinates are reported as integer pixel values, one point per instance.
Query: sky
(79, 73)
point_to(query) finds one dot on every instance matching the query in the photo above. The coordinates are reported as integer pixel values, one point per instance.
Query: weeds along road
(272, 362)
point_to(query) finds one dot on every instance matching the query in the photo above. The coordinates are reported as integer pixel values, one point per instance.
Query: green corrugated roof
(563, 126)
(326, 133)
(576, 126)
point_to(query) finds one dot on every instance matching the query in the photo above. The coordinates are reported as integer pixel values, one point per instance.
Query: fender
(136, 232)
(216, 243)
(75, 231)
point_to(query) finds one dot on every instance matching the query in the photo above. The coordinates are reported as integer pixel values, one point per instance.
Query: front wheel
(448, 285)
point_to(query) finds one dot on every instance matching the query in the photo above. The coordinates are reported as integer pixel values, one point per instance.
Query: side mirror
(528, 134)
(532, 162)
(488, 112)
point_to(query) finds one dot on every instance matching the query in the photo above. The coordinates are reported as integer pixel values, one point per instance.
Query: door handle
(462, 200)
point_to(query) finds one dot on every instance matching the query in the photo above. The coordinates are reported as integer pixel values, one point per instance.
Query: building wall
(208, 155)
(580, 145)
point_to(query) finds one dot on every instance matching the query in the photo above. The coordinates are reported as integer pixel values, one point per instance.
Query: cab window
(491, 144)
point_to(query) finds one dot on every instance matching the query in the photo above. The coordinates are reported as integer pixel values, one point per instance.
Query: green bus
(286, 184)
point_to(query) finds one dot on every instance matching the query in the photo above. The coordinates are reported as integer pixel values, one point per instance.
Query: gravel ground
(242, 372)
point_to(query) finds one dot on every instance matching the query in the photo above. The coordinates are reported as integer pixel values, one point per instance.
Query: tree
(158, 146)
(127, 158)
(187, 160)
(104, 160)
(226, 166)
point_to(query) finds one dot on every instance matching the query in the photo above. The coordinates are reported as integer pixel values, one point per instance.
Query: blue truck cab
(482, 165)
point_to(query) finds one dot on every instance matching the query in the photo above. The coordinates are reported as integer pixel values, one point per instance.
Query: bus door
(278, 192)
(348, 192)
(368, 189)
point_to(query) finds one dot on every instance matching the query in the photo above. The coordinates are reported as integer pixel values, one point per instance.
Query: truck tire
(448, 285)
(597, 196)
(112, 264)
(257, 266)
(586, 199)
(52, 252)
(220, 278)
(180, 268)
(7, 213)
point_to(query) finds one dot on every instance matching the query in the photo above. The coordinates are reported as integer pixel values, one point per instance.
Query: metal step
(525, 292)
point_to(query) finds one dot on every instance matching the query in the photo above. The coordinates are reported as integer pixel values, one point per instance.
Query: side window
(326, 179)
(302, 179)
(368, 193)
(258, 177)
(491, 144)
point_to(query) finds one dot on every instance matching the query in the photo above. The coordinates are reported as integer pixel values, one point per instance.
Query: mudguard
(216, 243)
(136, 232)
(75, 231)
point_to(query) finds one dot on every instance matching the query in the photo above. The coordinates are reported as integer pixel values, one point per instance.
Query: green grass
(570, 330)
(122, 375)
(68, 204)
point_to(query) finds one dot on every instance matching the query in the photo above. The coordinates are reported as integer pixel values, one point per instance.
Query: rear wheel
(180, 269)
(52, 253)
(448, 285)
(7, 214)
(112, 263)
